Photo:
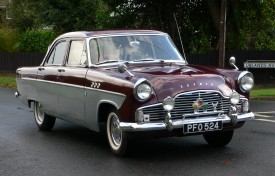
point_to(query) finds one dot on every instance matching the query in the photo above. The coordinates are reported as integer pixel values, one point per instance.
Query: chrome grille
(183, 105)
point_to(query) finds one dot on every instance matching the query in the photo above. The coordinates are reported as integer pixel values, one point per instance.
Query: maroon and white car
(132, 83)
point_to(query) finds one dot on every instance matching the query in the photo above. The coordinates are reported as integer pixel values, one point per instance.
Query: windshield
(135, 48)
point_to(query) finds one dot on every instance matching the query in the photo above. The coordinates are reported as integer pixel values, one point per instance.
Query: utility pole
(222, 34)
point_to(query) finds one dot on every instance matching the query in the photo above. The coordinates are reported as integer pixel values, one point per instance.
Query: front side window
(58, 54)
(77, 54)
(135, 48)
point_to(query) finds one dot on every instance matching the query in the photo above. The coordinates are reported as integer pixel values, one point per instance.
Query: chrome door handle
(41, 68)
(61, 70)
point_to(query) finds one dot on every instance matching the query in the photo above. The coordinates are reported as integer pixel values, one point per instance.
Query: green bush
(35, 41)
(8, 39)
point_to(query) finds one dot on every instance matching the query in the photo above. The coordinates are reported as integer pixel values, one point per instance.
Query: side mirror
(123, 68)
(232, 62)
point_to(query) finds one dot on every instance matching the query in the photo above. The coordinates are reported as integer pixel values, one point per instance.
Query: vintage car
(134, 83)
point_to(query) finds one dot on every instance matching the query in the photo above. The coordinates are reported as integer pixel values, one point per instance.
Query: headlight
(142, 90)
(246, 81)
(168, 103)
(234, 98)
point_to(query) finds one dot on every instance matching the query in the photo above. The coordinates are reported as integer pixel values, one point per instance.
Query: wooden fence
(9, 62)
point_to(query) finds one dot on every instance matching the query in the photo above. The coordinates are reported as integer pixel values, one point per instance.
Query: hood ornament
(184, 70)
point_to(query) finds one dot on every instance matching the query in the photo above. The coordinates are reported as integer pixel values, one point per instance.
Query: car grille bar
(183, 106)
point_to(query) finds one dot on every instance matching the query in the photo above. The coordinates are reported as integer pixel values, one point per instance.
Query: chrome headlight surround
(168, 104)
(142, 90)
(246, 81)
(234, 98)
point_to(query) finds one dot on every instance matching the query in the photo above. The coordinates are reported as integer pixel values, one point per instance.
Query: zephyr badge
(199, 104)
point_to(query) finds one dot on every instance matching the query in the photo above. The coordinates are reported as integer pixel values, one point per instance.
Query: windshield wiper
(107, 61)
(146, 59)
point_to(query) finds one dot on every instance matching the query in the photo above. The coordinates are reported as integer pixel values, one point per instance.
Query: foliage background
(34, 24)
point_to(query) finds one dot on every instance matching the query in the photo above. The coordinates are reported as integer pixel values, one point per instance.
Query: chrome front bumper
(151, 126)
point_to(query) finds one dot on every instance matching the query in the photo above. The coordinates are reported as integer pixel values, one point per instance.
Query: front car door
(72, 80)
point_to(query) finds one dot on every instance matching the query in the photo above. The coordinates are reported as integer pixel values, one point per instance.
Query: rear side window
(77, 54)
(58, 54)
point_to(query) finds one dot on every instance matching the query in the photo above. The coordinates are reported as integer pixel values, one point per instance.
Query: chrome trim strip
(77, 86)
(125, 126)
(137, 62)
(127, 34)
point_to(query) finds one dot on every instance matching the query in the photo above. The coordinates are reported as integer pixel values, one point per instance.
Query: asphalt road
(72, 150)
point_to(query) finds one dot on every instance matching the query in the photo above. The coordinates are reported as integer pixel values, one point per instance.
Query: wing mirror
(123, 68)
(232, 62)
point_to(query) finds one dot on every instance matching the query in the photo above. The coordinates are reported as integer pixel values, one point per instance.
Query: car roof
(84, 34)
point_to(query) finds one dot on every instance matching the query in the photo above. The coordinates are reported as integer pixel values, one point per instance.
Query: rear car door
(47, 77)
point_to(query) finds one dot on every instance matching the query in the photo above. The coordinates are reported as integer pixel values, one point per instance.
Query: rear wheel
(43, 121)
(219, 138)
(117, 139)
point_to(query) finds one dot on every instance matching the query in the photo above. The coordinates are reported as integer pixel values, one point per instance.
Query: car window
(57, 55)
(94, 51)
(77, 53)
(135, 48)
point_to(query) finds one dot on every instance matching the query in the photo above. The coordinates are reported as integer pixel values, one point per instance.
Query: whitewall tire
(117, 139)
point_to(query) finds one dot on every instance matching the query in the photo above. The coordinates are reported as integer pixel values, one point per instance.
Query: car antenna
(179, 36)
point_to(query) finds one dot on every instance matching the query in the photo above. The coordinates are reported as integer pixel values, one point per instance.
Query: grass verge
(263, 91)
(7, 80)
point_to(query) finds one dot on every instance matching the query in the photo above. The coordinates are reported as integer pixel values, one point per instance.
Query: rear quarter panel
(26, 83)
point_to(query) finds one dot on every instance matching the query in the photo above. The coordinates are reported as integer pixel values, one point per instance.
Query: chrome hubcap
(115, 131)
(40, 113)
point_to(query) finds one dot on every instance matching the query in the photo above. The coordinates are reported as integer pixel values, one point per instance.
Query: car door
(47, 77)
(72, 81)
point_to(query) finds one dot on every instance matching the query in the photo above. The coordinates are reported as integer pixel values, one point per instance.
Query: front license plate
(202, 127)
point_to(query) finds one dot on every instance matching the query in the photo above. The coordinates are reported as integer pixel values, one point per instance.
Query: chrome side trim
(125, 126)
(73, 85)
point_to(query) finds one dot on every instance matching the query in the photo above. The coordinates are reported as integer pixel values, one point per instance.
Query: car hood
(170, 80)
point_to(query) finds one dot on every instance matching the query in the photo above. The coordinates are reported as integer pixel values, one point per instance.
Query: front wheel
(43, 121)
(219, 138)
(117, 139)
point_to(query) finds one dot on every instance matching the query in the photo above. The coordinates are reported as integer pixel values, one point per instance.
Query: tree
(24, 14)
(63, 15)
(250, 23)
(72, 15)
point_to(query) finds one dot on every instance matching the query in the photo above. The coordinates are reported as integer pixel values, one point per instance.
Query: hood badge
(199, 104)
(197, 84)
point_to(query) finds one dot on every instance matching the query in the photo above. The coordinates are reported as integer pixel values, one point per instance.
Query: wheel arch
(30, 101)
(103, 109)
